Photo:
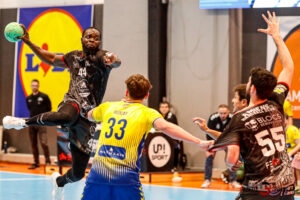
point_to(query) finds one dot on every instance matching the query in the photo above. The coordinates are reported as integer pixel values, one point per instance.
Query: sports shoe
(58, 192)
(235, 184)
(10, 122)
(34, 166)
(206, 184)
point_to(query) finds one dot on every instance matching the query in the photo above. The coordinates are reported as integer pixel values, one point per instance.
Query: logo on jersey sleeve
(57, 31)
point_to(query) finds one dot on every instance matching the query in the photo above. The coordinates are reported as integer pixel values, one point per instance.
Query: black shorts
(81, 130)
(81, 133)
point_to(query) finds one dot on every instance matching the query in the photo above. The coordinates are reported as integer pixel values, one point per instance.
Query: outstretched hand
(109, 58)
(206, 144)
(201, 123)
(25, 37)
(273, 25)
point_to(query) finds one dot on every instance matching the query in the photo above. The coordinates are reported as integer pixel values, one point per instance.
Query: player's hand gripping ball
(12, 31)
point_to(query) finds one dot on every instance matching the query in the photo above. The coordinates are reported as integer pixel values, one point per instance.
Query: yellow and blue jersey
(292, 134)
(124, 130)
(287, 108)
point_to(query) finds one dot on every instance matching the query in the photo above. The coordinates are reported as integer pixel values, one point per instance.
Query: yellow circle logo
(57, 31)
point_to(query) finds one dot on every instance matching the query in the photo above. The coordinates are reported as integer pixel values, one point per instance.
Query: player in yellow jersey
(115, 170)
(287, 109)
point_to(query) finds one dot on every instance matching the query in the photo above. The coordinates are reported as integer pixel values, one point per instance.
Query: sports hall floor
(19, 183)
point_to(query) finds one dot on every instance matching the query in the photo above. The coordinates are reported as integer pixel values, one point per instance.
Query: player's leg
(77, 172)
(42, 132)
(232, 178)
(34, 147)
(79, 163)
(208, 169)
(66, 115)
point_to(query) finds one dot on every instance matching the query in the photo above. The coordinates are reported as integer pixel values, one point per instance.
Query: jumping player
(89, 71)
(116, 165)
(257, 132)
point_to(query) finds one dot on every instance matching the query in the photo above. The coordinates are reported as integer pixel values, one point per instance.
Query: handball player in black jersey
(89, 71)
(257, 132)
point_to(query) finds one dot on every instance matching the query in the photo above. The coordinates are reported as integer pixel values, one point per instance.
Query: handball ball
(13, 30)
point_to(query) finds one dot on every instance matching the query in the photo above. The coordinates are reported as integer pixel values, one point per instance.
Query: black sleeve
(68, 58)
(173, 119)
(48, 102)
(27, 103)
(230, 136)
(210, 123)
(279, 94)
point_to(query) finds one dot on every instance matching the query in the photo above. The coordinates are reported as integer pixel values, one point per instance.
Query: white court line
(23, 179)
(29, 174)
(188, 188)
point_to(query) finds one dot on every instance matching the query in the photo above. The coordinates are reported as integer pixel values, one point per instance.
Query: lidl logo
(292, 42)
(57, 31)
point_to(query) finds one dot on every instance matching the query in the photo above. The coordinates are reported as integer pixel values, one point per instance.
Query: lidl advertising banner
(290, 31)
(58, 30)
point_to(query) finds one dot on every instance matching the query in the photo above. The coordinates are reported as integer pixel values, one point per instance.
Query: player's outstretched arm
(90, 115)
(232, 158)
(285, 57)
(179, 133)
(44, 55)
(203, 126)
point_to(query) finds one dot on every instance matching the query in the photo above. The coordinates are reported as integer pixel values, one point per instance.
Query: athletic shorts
(282, 194)
(112, 192)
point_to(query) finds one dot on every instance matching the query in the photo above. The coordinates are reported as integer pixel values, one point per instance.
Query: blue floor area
(18, 186)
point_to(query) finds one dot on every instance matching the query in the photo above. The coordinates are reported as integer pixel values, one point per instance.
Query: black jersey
(215, 123)
(38, 104)
(170, 117)
(89, 78)
(259, 131)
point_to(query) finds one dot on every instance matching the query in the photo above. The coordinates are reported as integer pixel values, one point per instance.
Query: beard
(91, 50)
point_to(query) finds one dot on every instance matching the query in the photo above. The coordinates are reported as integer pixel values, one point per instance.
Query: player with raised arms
(257, 132)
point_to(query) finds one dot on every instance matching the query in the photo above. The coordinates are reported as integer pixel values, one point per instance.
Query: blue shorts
(112, 192)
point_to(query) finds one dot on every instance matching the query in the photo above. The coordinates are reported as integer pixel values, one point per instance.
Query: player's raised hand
(25, 37)
(201, 123)
(273, 25)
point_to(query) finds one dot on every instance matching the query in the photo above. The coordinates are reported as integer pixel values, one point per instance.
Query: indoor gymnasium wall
(197, 69)
(125, 32)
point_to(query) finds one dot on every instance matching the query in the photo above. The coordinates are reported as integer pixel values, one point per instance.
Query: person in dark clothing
(89, 71)
(217, 121)
(37, 103)
(165, 110)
